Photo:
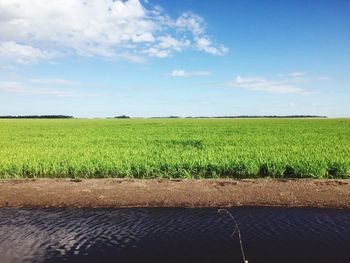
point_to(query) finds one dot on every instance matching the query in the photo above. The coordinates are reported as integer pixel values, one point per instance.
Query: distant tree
(264, 116)
(166, 117)
(37, 117)
(122, 117)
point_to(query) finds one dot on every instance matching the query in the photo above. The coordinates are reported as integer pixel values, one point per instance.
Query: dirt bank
(174, 193)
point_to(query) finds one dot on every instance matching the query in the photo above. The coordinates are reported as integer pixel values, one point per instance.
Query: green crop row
(173, 148)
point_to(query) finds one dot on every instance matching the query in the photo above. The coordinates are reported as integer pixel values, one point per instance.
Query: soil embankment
(175, 193)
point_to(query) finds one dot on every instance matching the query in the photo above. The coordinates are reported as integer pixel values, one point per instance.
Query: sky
(104, 58)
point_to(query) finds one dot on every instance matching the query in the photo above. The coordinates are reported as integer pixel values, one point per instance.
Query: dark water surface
(173, 235)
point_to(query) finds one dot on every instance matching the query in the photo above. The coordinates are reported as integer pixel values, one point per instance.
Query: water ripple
(173, 235)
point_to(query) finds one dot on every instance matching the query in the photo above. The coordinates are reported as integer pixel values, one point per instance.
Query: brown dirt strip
(175, 193)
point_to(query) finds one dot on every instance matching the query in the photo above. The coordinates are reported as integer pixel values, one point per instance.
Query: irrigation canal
(174, 235)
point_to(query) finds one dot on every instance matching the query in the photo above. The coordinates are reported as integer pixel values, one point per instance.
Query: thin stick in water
(245, 260)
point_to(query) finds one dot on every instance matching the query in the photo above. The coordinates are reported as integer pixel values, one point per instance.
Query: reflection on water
(173, 235)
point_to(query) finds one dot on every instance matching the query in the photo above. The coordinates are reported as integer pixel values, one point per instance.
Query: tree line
(36, 117)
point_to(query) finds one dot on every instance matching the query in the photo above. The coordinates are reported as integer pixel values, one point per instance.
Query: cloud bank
(37, 30)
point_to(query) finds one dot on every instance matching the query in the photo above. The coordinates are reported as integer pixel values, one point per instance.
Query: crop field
(175, 148)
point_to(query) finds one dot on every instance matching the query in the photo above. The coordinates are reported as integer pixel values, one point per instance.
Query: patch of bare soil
(175, 193)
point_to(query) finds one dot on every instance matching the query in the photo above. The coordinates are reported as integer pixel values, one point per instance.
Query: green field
(175, 148)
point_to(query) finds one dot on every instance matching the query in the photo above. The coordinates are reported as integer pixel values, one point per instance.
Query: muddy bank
(175, 193)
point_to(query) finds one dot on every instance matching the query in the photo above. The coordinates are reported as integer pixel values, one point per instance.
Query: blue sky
(184, 57)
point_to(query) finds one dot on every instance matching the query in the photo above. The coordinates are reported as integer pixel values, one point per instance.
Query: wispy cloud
(297, 74)
(39, 30)
(183, 73)
(55, 82)
(6, 67)
(272, 86)
(20, 88)
(42, 87)
(324, 78)
(304, 76)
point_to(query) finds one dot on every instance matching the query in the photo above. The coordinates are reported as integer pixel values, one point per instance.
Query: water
(173, 235)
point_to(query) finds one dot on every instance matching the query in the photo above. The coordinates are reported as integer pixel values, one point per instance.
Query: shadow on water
(173, 235)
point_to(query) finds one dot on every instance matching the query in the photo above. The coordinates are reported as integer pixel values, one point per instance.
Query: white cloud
(197, 25)
(183, 73)
(271, 86)
(156, 52)
(36, 30)
(22, 53)
(179, 73)
(166, 46)
(55, 81)
(168, 42)
(191, 22)
(205, 44)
